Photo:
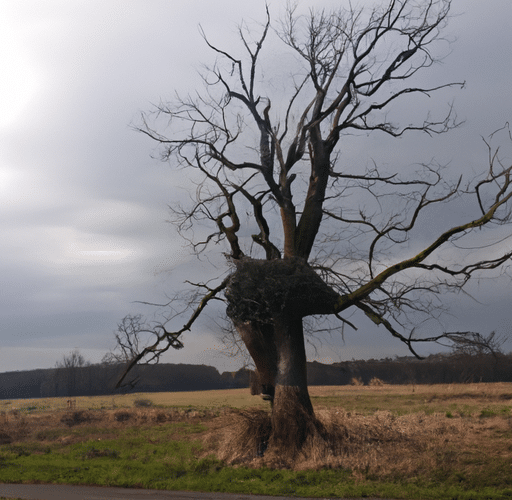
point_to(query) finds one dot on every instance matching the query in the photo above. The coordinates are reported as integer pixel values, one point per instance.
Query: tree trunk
(267, 301)
(293, 418)
(259, 340)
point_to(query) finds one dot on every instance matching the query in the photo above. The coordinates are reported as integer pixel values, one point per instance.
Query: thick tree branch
(501, 200)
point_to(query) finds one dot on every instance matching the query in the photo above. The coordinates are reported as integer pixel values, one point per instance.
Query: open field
(452, 441)
(233, 398)
(399, 399)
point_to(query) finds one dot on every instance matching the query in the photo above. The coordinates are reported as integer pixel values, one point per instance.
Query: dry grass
(234, 398)
(386, 432)
(459, 399)
(356, 381)
(375, 381)
(405, 442)
(323, 396)
(64, 426)
(503, 390)
(381, 445)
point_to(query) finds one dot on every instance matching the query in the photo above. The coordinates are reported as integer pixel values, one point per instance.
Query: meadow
(433, 441)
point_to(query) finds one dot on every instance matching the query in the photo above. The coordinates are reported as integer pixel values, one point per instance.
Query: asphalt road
(69, 492)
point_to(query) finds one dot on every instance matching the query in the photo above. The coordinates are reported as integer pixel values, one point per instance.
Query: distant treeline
(100, 379)
(435, 369)
(95, 380)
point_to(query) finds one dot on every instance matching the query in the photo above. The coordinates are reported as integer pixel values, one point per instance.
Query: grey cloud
(76, 180)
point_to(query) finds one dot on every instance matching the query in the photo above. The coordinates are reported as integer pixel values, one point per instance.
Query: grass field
(233, 398)
(446, 442)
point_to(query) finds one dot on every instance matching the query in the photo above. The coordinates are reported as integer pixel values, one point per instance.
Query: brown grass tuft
(376, 382)
(381, 444)
(239, 437)
(356, 381)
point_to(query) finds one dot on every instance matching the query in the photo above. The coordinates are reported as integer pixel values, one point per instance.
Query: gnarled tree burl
(268, 145)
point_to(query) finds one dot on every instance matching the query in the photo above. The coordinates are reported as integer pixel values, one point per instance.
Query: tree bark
(311, 217)
(293, 417)
(278, 351)
(259, 340)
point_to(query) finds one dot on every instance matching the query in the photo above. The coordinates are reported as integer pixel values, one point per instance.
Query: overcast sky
(83, 204)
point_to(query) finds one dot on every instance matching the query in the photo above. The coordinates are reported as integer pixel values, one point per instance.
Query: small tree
(130, 341)
(326, 238)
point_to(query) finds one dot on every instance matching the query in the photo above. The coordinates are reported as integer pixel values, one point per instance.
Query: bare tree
(344, 237)
(478, 356)
(128, 341)
(131, 343)
(68, 371)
